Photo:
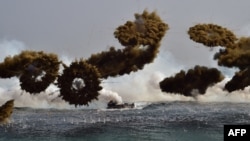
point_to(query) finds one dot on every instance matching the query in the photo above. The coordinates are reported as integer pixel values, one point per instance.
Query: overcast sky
(78, 28)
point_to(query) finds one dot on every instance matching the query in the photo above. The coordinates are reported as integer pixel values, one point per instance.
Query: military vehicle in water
(114, 105)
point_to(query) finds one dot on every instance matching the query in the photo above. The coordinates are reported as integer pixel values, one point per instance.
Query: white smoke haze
(11, 47)
(107, 95)
(217, 94)
(66, 59)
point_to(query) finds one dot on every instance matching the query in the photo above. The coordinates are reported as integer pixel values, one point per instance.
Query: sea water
(161, 121)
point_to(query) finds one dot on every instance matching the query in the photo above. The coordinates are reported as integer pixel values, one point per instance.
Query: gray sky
(78, 28)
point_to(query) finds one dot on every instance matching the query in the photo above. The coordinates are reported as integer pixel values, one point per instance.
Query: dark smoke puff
(199, 78)
(127, 34)
(203, 77)
(46, 66)
(147, 29)
(14, 66)
(119, 62)
(5, 73)
(81, 70)
(239, 81)
(110, 63)
(116, 62)
(28, 65)
(237, 56)
(174, 84)
(212, 35)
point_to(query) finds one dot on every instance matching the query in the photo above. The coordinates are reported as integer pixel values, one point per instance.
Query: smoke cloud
(37, 70)
(141, 40)
(217, 93)
(185, 82)
(107, 95)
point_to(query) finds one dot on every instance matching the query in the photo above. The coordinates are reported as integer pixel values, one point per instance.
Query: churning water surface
(168, 121)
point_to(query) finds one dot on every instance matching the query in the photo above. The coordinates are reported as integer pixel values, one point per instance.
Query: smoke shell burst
(147, 29)
(212, 35)
(198, 78)
(79, 95)
(238, 56)
(36, 70)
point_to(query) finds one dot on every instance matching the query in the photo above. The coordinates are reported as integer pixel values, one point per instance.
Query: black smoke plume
(199, 78)
(239, 81)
